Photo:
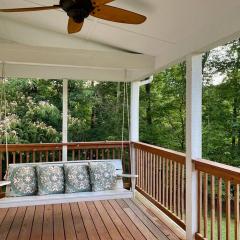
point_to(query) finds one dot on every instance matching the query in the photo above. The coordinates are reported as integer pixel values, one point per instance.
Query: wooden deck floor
(113, 219)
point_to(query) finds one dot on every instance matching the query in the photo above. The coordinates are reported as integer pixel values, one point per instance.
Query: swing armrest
(128, 175)
(4, 183)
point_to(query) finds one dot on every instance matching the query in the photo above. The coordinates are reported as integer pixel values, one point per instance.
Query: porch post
(134, 126)
(193, 138)
(65, 119)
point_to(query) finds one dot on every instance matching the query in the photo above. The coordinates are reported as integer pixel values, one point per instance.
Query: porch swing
(117, 192)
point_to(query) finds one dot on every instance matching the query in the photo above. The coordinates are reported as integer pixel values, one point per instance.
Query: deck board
(98, 220)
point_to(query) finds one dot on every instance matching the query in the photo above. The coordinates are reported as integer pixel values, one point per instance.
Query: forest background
(34, 106)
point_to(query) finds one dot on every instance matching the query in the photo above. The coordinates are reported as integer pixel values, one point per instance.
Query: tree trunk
(234, 122)
(148, 108)
(93, 115)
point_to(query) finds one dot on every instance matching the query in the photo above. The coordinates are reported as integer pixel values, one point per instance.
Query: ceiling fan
(78, 10)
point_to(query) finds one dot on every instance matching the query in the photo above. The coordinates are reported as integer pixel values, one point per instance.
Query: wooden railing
(162, 179)
(45, 152)
(218, 201)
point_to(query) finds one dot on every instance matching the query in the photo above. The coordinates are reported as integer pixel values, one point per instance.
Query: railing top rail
(218, 169)
(163, 152)
(58, 146)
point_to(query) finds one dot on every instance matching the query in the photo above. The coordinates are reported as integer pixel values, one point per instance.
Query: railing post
(193, 138)
(65, 119)
(134, 126)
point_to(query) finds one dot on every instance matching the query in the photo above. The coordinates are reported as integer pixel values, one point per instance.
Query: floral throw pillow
(103, 176)
(77, 178)
(50, 179)
(23, 181)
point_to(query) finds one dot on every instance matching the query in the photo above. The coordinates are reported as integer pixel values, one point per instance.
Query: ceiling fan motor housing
(77, 9)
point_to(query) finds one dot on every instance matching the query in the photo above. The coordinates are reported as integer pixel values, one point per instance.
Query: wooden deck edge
(161, 215)
(162, 208)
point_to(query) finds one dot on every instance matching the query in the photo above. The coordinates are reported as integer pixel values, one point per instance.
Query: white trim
(134, 115)
(65, 119)
(193, 138)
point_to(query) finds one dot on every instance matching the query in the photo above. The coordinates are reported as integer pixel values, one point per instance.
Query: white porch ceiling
(174, 29)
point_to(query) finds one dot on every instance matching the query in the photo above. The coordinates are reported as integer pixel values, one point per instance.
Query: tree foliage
(99, 110)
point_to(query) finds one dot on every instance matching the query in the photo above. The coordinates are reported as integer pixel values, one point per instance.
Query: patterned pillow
(77, 178)
(50, 179)
(23, 181)
(103, 176)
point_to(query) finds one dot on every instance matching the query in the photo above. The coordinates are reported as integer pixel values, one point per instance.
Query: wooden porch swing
(117, 192)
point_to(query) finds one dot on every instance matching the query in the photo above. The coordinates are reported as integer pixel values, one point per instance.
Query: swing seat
(117, 193)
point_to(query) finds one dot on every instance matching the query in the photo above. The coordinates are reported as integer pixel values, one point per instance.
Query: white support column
(65, 119)
(193, 138)
(134, 115)
(134, 125)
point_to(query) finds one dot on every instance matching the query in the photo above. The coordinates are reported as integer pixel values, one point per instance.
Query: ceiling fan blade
(31, 9)
(74, 27)
(117, 15)
(100, 2)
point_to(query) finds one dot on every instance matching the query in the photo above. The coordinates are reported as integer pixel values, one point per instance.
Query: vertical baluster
(171, 185)
(124, 160)
(163, 181)
(219, 208)
(91, 154)
(174, 187)
(150, 174)
(108, 153)
(183, 192)
(212, 207)
(79, 154)
(102, 153)
(20, 155)
(157, 177)
(160, 179)
(199, 202)
(236, 211)
(167, 183)
(205, 206)
(40, 156)
(14, 157)
(53, 156)
(228, 210)
(46, 156)
(143, 176)
(73, 154)
(137, 164)
(34, 156)
(113, 153)
(146, 173)
(119, 153)
(27, 158)
(59, 155)
(178, 190)
(154, 176)
(141, 169)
